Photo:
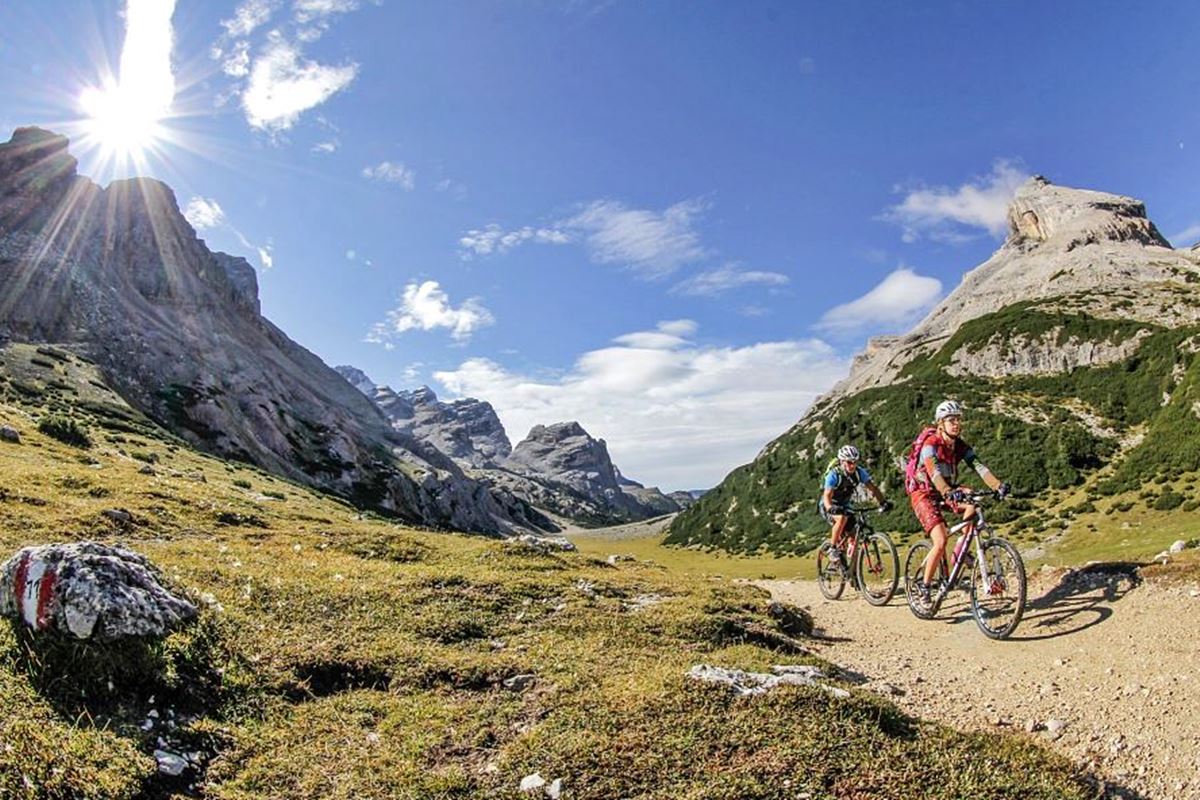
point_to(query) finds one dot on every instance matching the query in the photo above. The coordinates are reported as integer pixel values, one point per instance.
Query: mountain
(559, 468)
(118, 275)
(467, 430)
(1072, 348)
(571, 473)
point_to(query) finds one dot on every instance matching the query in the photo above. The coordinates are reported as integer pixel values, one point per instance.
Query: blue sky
(673, 221)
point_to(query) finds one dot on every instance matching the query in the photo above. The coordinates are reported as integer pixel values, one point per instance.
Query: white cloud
(946, 214)
(283, 85)
(897, 301)
(249, 15)
(265, 257)
(310, 10)
(730, 276)
(391, 172)
(326, 147)
(412, 372)
(425, 307)
(236, 64)
(674, 413)
(1186, 237)
(202, 212)
(351, 255)
(651, 243)
(494, 239)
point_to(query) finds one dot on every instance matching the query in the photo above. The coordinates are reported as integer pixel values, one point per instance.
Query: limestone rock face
(1062, 242)
(89, 591)
(1040, 355)
(119, 275)
(467, 430)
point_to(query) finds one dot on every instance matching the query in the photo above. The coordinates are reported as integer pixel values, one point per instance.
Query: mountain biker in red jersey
(937, 484)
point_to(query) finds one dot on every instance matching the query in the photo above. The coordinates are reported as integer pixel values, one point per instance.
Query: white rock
(1054, 727)
(1178, 546)
(519, 683)
(554, 790)
(532, 784)
(170, 763)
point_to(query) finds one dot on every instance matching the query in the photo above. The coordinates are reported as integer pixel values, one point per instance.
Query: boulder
(89, 591)
(9, 434)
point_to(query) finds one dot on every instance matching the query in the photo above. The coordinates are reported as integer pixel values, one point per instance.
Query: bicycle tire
(1006, 601)
(877, 558)
(830, 579)
(914, 572)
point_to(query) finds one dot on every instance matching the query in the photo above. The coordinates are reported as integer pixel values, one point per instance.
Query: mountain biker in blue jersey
(841, 481)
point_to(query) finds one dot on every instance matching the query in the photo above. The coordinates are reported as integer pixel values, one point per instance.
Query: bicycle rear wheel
(830, 578)
(914, 573)
(878, 567)
(998, 601)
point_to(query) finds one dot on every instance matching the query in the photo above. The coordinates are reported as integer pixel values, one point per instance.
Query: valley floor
(1114, 657)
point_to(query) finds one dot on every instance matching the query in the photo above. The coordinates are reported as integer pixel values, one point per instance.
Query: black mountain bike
(871, 562)
(997, 576)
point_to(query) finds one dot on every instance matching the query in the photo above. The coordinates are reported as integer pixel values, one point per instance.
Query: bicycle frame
(977, 524)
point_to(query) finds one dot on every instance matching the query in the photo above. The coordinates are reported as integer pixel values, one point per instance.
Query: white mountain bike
(997, 576)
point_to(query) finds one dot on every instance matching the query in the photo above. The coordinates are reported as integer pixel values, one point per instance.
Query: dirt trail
(1114, 658)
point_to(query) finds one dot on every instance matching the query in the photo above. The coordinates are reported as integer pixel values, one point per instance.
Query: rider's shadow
(1081, 598)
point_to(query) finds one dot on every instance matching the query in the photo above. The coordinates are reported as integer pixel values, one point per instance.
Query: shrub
(1168, 500)
(241, 484)
(66, 430)
(142, 455)
(276, 495)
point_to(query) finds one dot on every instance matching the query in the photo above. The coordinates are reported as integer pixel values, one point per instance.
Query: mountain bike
(872, 564)
(997, 576)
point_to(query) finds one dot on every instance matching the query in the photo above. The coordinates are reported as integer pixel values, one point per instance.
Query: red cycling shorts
(928, 505)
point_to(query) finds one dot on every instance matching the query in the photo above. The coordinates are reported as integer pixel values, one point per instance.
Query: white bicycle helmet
(848, 453)
(948, 408)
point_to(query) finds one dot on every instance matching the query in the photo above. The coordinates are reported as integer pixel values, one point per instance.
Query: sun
(123, 122)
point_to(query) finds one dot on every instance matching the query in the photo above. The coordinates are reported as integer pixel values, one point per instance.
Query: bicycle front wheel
(878, 568)
(830, 579)
(914, 574)
(998, 589)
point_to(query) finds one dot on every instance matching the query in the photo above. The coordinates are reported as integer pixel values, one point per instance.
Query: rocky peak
(357, 378)
(567, 452)
(1042, 212)
(423, 396)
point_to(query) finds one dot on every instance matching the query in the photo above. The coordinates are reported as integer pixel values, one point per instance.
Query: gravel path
(1104, 667)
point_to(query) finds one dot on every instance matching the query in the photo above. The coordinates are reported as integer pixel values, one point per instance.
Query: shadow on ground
(1081, 598)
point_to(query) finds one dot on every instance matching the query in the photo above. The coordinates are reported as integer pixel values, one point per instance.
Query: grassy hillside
(1128, 426)
(338, 656)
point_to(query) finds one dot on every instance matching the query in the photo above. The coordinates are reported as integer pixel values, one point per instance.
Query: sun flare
(124, 115)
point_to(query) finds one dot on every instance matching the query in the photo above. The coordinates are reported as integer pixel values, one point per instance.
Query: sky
(675, 222)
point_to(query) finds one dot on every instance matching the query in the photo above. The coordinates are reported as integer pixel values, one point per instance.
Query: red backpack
(913, 464)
